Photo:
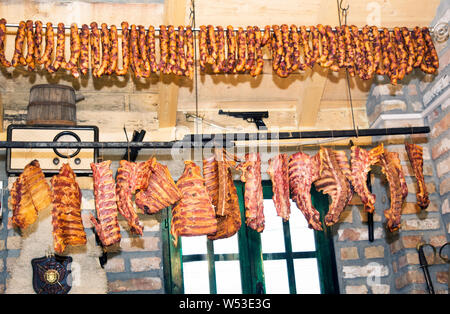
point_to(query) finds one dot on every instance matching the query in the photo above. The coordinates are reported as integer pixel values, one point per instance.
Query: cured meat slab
(415, 155)
(67, 224)
(253, 194)
(194, 213)
(106, 224)
(279, 174)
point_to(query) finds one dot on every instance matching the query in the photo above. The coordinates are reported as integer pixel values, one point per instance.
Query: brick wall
(390, 263)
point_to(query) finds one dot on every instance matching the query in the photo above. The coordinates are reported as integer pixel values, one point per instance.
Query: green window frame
(250, 253)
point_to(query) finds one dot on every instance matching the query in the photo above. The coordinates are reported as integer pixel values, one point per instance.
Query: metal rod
(201, 140)
(194, 29)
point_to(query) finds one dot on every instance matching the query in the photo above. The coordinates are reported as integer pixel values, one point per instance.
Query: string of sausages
(363, 52)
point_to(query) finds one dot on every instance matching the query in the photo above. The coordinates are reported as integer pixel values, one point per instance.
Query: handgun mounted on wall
(250, 116)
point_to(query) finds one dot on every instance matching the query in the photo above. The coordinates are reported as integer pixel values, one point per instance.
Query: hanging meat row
(96, 49)
(362, 52)
(207, 204)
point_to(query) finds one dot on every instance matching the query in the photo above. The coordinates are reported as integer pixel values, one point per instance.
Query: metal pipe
(201, 140)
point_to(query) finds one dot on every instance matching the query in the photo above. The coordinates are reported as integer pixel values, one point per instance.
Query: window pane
(276, 276)
(228, 277)
(302, 237)
(226, 246)
(272, 238)
(193, 245)
(195, 277)
(306, 276)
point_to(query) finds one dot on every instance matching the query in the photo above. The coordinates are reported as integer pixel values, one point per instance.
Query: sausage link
(251, 52)
(393, 65)
(294, 42)
(212, 45)
(203, 47)
(402, 55)
(376, 44)
(315, 45)
(29, 59)
(231, 53)
(38, 42)
(350, 48)
(368, 53)
(135, 61)
(219, 66)
(47, 58)
(277, 48)
(189, 53)
(258, 68)
(410, 49)
(84, 50)
(18, 58)
(125, 50)
(172, 50)
(164, 50)
(143, 52)
(266, 38)
(307, 52)
(430, 63)
(105, 50)
(60, 50)
(181, 54)
(95, 49)
(151, 46)
(3, 59)
(114, 50)
(75, 50)
(333, 57)
(419, 45)
(242, 46)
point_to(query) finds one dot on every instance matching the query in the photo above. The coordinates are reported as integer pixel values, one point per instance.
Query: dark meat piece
(253, 195)
(415, 155)
(107, 225)
(193, 214)
(303, 171)
(279, 174)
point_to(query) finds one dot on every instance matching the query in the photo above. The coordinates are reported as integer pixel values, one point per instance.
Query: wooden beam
(174, 14)
(309, 105)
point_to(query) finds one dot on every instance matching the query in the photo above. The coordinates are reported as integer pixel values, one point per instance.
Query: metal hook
(341, 8)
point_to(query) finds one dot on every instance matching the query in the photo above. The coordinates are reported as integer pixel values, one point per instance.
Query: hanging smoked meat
(128, 180)
(30, 195)
(160, 192)
(66, 213)
(211, 176)
(18, 57)
(3, 60)
(392, 169)
(40, 192)
(253, 194)
(24, 213)
(279, 174)
(106, 224)
(227, 209)
(193, 214)
(333, 180)
(303, 171)
(415, 155)
(361, 161)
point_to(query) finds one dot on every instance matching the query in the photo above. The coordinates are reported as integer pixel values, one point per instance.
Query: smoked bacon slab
(194, 213)
(160, 192)
(67, 223)
(228, 213)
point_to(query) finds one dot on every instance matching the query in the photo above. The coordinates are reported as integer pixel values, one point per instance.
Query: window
(287, 257)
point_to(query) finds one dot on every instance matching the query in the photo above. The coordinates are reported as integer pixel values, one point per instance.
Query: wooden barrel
(52, 104)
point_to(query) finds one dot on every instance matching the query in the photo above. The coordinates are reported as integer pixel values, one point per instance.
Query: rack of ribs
(392, 169)
(227, 210)
(131, 176)
(107, 225)
(415, 156)
(303, 171)
(334, 180)
(279, 174)
(160, 192)
(361, 162)
(66, 213)
(253, 194)
(194, 213)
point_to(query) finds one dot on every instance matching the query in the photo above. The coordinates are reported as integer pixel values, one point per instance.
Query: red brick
(440, 148)
(444, 187)
(134, 284)
(410, 277)
(441, 126)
